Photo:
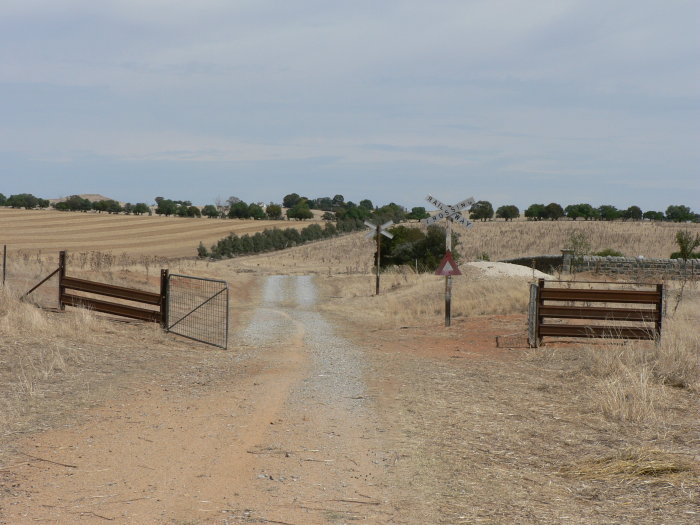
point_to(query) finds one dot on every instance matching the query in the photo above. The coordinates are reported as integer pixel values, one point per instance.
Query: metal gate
(197, 308)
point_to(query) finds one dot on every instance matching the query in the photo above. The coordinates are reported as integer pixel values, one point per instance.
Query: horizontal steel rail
(602, 296)
(123, 310)
(110, 290)
(599, 313)
(612, 332)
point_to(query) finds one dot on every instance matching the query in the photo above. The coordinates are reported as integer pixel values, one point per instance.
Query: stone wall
(638, 266)
(544, 263)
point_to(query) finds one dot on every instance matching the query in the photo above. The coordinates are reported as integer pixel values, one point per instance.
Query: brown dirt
(459, 429)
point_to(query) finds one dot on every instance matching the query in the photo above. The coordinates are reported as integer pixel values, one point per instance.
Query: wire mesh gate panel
(198, 309)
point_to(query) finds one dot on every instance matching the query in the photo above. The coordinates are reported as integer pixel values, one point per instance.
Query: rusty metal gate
(610, 310)
(197, 308)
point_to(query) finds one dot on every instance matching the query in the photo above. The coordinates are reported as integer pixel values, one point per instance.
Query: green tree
(256, 212)
(23, 200)
(300, 211)
(210, 211)
(3, 200)
(679, 213)
(608, 212)
(274, 211)
(390, 212)
(165, 207)
(633, 213)
(140, 208)
(482, 210)
(686, 245)
(536, 212)
(289, 201)
(366, 204)
(411, 245)
(508, 212)
(554, 211)
(653, 215)
(418, 213)
(112, 206)
(239, 210)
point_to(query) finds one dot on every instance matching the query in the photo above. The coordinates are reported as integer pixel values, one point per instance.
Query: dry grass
(633, 462)
(630, 381)
(507, 240)
(410, 299)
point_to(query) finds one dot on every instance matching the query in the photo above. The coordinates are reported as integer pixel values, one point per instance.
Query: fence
(574, 309)
(191, 307)
(197, 308)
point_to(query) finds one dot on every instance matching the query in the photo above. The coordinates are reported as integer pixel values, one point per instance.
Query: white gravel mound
(500, 269)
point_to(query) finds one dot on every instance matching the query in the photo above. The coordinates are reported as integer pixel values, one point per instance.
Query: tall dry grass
(410, 299)
(630, 381)
(507, 240)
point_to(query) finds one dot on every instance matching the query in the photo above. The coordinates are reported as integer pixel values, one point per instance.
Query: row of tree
(337, 208)
(276, 239)
(483, 210)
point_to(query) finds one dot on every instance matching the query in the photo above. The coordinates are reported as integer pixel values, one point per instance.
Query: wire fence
(198, 308)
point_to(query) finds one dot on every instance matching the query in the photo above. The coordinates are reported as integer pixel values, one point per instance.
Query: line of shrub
(276, 239)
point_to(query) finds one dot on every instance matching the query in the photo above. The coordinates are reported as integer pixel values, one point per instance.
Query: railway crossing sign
(449, 212)
(448, 267)
(377, 231)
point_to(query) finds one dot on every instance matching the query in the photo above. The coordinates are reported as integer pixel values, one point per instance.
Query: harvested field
(52, 231)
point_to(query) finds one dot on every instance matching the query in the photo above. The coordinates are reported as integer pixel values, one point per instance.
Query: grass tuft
(633, 463)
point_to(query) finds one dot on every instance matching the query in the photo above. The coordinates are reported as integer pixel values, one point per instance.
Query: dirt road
(314, 419)
(291, 437)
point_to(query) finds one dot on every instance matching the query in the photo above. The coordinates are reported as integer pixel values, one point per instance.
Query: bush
(609, 252)
(411, 245)
(679, 255)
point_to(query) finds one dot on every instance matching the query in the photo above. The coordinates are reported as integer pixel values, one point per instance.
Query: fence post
(567, 256)
(164, 298)
(61, 277)
(660, 306)
(4, 263)
(532, 317)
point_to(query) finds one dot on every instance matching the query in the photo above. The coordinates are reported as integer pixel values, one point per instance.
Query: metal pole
(164, 282)
(379, 253)
(448, 278)
(4, 263)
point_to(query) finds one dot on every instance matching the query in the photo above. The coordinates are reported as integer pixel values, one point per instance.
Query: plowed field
(50, 231)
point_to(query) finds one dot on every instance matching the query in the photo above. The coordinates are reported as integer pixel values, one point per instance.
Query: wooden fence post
(61, 278)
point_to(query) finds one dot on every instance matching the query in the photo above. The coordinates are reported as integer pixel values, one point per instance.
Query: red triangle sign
(448, 266)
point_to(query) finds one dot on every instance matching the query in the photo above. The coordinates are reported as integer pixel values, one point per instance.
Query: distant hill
(92, 197)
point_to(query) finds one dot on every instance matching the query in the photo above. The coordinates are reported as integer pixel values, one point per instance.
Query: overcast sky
(513, 102)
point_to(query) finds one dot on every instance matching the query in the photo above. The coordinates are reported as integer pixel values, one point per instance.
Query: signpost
(448, 267)
(378, 231)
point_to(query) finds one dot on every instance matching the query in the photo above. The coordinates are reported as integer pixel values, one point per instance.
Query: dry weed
(633, 462)
(410, 299)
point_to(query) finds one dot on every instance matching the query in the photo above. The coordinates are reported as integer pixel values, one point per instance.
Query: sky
(514, 102)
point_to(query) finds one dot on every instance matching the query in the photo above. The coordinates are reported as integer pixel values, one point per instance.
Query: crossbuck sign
(450, 214)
